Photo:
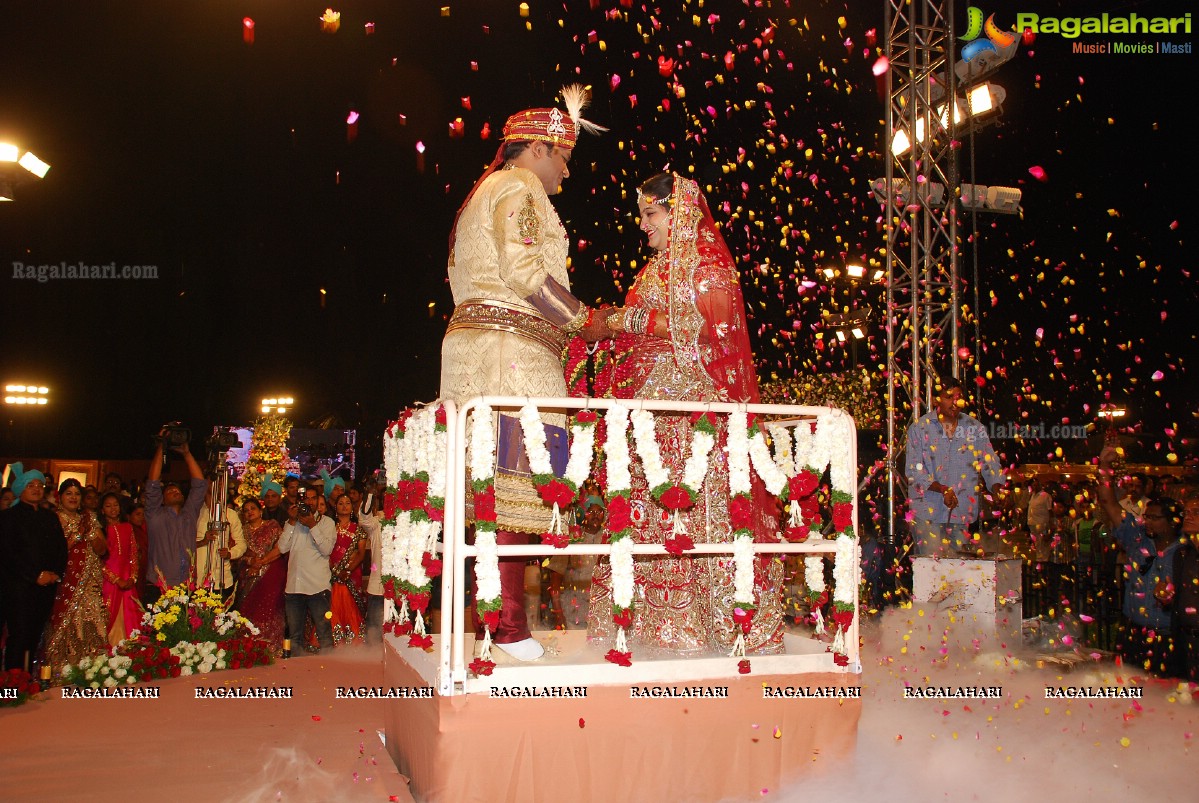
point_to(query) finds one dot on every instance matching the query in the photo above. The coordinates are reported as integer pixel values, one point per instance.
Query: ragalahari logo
(996, 40)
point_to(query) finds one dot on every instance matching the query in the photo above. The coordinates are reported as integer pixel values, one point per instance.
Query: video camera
(220, 442)
(173, 436)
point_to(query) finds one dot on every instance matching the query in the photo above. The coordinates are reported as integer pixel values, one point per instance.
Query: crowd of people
(1085, 544)
(84, 562)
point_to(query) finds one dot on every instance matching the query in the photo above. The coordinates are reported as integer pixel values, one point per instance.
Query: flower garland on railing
(741, 520)
(558, 492)
(487, 562)
(413, 510)
(675, 496)
(803, 505)
(620, 532)
(843, 588)
(813, 573)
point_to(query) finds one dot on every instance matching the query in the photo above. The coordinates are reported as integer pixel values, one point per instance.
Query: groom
(513, 314)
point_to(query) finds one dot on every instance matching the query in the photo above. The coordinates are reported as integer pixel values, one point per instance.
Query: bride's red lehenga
(685, 605)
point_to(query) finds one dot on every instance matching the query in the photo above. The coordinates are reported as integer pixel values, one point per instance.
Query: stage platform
(602, 743)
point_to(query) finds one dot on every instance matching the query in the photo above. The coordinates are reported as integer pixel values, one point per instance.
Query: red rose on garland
(431, 565)
(418, 600)
(622, 617)
(743, 666)
(556, 540)
(744, 617)
(586, 417)
(741, 512)
(797, 535)
(803, 484)
(556, 492)
(391, 504)
(421, 642)
(439, 418)
(843, 618)
(809, 507)
(481, 667)
(678, 544)
(491, 619)
(620, 515)
(403, 628)
(840, 659)
(842, 515)
(434, 513)
(619, 658)
(485, 504)
(676, 498)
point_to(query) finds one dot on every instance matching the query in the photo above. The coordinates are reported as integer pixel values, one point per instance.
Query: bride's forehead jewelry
(649, 199)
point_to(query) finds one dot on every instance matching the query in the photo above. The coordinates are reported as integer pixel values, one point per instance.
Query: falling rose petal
(1037, 172)
(1086, 618)
(316, 718)
(778, 732)
(1125, 741)
(1158, 376)
(582, 723)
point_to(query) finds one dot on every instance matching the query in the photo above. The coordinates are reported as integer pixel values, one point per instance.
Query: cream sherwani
(510, 247)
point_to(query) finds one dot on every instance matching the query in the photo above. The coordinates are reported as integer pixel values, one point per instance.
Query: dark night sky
(175, 144)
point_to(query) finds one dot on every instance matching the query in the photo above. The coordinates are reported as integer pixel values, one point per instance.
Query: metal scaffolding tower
(922, 293)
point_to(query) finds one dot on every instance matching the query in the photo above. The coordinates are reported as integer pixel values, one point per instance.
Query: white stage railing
(452, 657)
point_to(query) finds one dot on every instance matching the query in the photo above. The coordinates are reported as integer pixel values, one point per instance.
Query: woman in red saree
(347, 603)
(682, 335)
(260, 587)
(120, 572)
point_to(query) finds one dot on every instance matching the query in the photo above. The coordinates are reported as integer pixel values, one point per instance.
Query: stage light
(855, 271)
(278, 404)
(10, 176)
(1005, 200)
(34, 165)
(857, 332)
(878, 276)
(26, 395)
(830, 273)
(841, 335)
(1112, 412)
(931, 192)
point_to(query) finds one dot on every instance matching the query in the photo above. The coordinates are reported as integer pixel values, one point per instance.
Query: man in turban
(513, 316)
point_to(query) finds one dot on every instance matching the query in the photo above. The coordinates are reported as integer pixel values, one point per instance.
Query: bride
(682, 335)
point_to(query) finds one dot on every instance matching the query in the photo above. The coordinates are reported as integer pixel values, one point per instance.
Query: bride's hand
(616, 320)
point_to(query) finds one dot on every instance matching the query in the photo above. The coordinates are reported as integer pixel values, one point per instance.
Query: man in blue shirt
(171, 523)
(947, 451)
(1150, 544)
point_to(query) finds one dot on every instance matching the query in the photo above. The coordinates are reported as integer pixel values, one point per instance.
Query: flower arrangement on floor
(16, 687)
(187, 631)
(189, 614)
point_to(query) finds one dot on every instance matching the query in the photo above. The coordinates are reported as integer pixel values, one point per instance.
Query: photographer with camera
(308, 539)
(171, 518)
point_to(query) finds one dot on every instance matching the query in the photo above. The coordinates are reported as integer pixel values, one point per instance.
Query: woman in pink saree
(120, 572)
(682, 335)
